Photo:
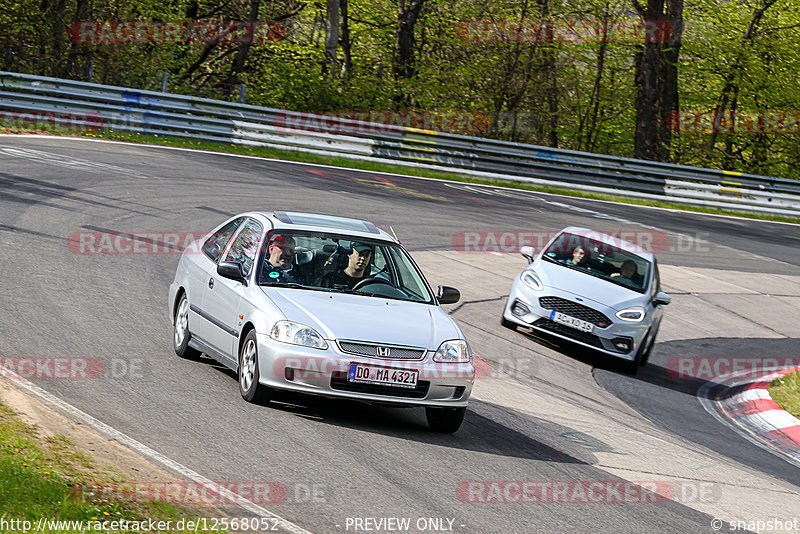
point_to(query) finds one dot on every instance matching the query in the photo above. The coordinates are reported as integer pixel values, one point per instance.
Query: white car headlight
(633, 315)
(453, 351)
(531, 279)
(297, 334)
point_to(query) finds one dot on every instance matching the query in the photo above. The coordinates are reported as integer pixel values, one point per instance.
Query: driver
(279, 266)
(357, 263)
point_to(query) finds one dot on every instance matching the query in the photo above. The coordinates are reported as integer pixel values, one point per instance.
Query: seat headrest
(303, 256)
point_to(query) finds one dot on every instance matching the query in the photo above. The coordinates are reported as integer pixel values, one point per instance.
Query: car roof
(317, 222)
(610, 239)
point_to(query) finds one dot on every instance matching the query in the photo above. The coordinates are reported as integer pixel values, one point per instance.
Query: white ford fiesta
(593, 289)
(321, 305)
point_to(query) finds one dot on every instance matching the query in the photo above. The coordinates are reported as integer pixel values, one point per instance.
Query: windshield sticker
(274, 274)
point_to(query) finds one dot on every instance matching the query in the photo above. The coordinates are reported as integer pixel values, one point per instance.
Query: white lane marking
(150, 453)
(439, 180)
(769, 420)
(65, 161)
(710, 404)
(751, 395)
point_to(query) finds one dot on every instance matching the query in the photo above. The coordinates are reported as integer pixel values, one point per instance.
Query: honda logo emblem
(383, 351)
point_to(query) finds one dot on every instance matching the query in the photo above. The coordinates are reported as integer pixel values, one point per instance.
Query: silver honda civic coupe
(321, 305)
(593, 289)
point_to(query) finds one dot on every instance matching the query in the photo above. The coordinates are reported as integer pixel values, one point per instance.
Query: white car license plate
(368, 374)
(568, 320)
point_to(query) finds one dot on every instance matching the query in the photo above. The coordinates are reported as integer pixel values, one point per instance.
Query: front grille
(573, 309)
(564, 330)
(370, 350)
(339, 382)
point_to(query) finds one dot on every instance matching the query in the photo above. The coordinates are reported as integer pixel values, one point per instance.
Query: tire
(642, 354)
(649, 350)
(249, 387)
(508, 324)
(180, 331)
(445, 420)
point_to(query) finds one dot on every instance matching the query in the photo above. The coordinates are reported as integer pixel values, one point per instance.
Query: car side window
(244, 247)
(215, 244)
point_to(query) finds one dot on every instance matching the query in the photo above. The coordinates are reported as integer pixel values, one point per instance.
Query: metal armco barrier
(135, 111)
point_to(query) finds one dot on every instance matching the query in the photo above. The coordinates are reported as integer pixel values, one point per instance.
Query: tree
(407, 15)
(657, 77)
(331, 37)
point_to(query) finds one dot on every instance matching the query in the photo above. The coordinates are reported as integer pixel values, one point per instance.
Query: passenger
(627, 274)
(357, 263)
(279, 265)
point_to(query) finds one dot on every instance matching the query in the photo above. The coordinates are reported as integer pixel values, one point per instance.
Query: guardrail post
(242, 90)
(89, 71)
(164, 79)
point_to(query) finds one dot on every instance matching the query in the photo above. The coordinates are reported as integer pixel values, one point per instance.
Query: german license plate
(574, 322)
(386, 376)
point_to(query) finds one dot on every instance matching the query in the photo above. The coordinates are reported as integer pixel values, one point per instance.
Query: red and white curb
(746, 405)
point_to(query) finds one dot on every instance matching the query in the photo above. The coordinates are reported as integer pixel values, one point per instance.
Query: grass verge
(291, 155)
(44, 479)
(786, 392)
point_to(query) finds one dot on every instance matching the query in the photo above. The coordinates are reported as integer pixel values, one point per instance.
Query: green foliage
(41, 478)
(786, 392)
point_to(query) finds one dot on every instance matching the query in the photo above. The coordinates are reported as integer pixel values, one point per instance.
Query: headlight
(297, 334)
(453, 351)
(633, 315)
(531, 279)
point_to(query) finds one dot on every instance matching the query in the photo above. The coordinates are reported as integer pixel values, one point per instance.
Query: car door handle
(211, 283)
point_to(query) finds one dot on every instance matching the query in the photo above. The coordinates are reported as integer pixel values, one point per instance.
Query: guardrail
(132, 110)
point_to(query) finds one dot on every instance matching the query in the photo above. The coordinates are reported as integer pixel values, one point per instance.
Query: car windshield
(342, 264)
(599, 259)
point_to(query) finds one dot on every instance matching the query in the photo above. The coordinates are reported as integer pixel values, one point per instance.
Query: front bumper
(606, 340)
(324, 372)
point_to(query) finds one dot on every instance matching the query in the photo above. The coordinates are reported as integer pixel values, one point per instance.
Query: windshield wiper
(353, 291)
(284, 284)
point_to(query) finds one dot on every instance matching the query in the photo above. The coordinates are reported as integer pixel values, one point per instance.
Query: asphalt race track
(547, 412)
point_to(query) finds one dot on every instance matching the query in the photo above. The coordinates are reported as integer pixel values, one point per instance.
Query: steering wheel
(372, 280)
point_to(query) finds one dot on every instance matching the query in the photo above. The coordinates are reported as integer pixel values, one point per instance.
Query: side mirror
(661, 298)
(528, 253)
(231, 270)
(448, 295)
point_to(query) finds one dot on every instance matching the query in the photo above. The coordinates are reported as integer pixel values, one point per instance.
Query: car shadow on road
(685, 366)
(487, 428)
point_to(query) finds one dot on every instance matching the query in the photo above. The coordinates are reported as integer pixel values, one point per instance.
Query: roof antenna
(394, 234)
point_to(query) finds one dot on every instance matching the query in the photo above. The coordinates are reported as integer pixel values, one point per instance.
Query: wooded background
(617, 94)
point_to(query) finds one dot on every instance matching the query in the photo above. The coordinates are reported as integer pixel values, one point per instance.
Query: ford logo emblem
(579, 299)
